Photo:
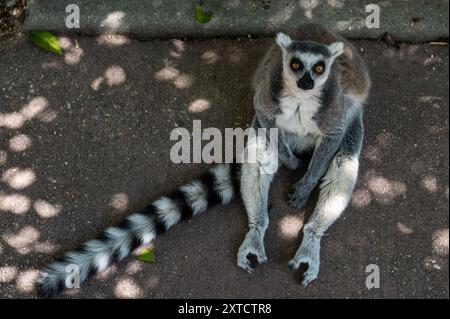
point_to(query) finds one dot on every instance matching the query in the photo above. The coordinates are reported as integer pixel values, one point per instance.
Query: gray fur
(325, 119)
(196, 194)
(254, 190)
(223, 184)
(143, 227)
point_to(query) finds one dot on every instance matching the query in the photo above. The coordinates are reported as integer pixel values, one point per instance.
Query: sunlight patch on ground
(405, 230)
(107, 273)
(210, 57)
(18, 178)
(361, 198)
(45, 209)
(19, 143)
(184, 81)
(47, 116)
(65, 43)
(430, 184)
(16, 120)
(290, 226)
(373, 153)
(380, 148)
(336, 3)
(34, 107)
(308, 6)
(95, 85)
(45, 247)
(26, 280)
(23, 240)
(134, 267)
(119, 202)
(8, 274)
(179, 48)
(12, 120)
(113, 20)
(115, 75)
(73, 56)
(440, 242)
(72, 52)
(385, 190)
(127, 288)
(198, 106)
(14, 203)
(167, 73)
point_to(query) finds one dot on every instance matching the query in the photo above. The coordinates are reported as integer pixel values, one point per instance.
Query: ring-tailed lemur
(312, 89)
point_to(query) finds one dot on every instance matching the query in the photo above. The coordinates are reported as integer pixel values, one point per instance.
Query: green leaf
(47, 41)
(201, 15)
(147, 255)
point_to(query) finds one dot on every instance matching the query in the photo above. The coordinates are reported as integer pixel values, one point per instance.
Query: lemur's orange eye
(296, 64)
(319, 69)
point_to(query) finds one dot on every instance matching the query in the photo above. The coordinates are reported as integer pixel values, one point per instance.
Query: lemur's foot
(252, 245)
(308, 253)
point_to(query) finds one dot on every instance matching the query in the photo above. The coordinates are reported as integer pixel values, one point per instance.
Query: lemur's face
(307, 63)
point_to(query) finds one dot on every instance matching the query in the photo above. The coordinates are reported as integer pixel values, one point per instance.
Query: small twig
(438, 43)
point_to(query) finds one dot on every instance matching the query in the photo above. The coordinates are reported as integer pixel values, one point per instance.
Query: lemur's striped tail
(218, 185)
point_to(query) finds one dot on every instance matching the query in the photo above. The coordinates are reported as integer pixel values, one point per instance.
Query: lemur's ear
(336, 49)
(283, 40)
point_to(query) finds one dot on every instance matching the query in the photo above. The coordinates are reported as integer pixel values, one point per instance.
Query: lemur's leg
(256, 177)
(335, 192)
(336, 189)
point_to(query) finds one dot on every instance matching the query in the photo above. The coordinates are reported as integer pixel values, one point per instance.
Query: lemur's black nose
(305, 82)
(305, 85)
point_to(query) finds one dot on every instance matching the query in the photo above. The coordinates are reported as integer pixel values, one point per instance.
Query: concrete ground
(419, 20)
(84, 140)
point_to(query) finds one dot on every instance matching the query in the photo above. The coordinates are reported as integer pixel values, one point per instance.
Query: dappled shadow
(85, 141)
(77, 121)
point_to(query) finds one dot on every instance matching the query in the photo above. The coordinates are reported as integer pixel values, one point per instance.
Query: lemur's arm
(285, 154)
(320, 161)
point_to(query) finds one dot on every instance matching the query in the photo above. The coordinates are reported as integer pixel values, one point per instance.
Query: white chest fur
(297, 115)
